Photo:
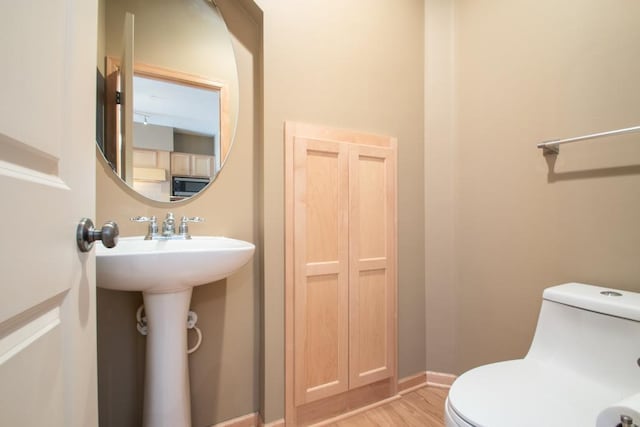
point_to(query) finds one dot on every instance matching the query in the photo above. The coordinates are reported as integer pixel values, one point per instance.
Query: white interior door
(47, 183)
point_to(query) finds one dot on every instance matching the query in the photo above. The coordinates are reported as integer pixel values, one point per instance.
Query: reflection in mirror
(170, 101)
(184, 122)
(167, 108)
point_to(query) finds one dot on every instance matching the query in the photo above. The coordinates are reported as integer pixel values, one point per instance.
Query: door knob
(86, 234)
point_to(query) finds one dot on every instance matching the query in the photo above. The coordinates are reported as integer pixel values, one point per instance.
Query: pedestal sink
(165, 271)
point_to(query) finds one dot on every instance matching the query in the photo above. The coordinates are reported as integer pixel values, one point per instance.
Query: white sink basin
(159, 266)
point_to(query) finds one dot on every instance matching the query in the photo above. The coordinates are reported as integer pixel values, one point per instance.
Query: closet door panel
(320, 269)
(322, 204)
(372, 269)
(372, 337)
(369, 194)
(323, 326)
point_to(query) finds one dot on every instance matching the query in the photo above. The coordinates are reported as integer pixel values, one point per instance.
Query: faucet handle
(153, 225)
(143, 219)
(184, 225)
(192, 219)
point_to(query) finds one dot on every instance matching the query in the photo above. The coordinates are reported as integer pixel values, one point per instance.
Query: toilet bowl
(583, 361)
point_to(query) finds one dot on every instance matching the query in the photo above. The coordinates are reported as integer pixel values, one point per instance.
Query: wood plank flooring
(423, 407)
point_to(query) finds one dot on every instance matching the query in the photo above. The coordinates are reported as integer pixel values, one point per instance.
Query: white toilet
(583, 367)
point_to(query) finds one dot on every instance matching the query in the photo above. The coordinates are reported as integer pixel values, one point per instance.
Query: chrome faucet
(168, 227)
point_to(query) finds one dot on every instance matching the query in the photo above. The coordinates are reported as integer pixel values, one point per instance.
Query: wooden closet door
(321, 259)
(372, 294)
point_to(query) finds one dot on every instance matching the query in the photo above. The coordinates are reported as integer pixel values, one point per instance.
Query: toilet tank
(591, 331)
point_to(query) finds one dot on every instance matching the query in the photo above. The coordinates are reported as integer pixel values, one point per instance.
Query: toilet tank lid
(609, 301)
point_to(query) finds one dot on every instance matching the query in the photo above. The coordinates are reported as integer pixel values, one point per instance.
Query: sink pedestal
(166, 382)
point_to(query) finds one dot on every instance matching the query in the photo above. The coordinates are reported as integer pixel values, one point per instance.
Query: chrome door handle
(86, 234)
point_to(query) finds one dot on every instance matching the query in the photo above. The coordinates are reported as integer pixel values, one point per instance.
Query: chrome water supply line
(141, 321)
(192, 320)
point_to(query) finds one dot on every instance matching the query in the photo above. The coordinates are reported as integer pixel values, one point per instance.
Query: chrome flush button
(611, 294)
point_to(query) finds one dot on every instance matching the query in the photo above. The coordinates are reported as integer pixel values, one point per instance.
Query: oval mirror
(167, 94)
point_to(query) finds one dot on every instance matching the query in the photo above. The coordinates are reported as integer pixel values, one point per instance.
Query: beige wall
(224, 371)
(500, 224)
(355, 65)
(523, 72)
(330, 63)
(340, 69)
(440, 194)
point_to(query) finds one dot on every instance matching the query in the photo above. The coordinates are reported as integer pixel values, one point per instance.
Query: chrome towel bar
(551, 147)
